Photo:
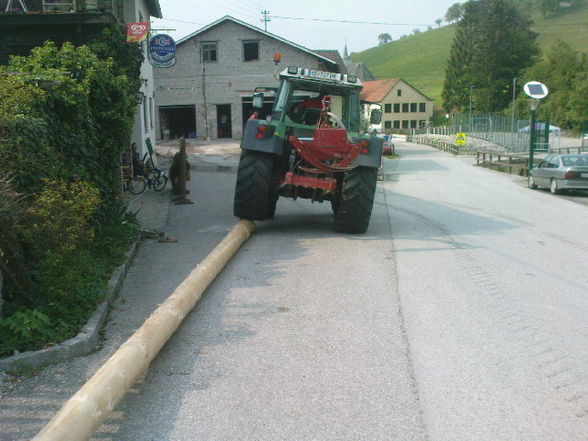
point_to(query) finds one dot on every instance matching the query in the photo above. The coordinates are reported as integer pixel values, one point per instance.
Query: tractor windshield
(300, 102)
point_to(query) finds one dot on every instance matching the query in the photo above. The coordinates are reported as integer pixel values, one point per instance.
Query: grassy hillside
(421, 59)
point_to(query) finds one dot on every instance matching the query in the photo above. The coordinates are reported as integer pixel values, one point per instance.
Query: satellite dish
(536, 90)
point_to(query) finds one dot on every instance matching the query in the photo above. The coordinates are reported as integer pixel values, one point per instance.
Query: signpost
(162, 51)
(536, 91)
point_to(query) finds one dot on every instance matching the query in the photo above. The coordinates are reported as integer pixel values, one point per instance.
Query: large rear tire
(353, 207)
(253, 198)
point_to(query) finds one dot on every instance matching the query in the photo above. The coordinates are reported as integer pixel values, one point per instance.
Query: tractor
(310, 146)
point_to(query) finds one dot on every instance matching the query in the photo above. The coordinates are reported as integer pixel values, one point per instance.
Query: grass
(421, 59)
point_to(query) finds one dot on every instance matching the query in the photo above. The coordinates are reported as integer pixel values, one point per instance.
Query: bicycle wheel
(159, 182)
(137, 185)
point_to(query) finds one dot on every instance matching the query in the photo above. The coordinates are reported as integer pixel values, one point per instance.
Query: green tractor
(312, 146)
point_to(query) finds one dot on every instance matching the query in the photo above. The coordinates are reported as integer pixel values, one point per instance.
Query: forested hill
(421, 58)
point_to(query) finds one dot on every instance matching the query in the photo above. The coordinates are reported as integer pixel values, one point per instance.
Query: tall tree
(565, 72)
(384, 38)
(492, 45)
(454, 13)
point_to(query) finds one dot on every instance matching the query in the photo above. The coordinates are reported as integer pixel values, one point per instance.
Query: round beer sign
(162, 50)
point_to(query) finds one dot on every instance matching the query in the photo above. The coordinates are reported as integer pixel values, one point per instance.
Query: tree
(384, 38)
(438, 22)
(565, 72)
(454, 13)
(492, 45)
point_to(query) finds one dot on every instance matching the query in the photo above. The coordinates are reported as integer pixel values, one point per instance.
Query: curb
(83, 343)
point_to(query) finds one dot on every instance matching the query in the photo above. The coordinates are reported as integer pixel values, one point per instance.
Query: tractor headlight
(352, 78)
(292, 70)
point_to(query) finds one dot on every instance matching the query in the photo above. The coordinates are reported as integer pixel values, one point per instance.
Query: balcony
(58, 11)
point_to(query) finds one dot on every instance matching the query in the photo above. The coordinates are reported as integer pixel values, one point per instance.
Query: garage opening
(223, 121)
(177, 121)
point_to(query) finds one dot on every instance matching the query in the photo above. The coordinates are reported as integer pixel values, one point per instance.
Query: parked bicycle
(156, 179)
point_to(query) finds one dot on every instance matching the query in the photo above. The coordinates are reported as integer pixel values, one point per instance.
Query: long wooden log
(83, 413)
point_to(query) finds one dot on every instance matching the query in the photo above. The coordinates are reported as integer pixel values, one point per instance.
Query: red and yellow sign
(137, 32)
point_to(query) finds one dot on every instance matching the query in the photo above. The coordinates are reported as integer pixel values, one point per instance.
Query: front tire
(159, 183)
(253, 198)
(353, 207)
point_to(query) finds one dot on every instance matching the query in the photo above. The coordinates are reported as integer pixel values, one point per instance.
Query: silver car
(561, 172)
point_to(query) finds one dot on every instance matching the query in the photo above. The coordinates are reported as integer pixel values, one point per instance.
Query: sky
(401, 17)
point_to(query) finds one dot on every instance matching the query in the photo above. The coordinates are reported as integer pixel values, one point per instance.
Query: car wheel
(553, 186)
(531, 183)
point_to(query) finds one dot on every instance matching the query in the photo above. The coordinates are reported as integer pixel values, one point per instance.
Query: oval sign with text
(162, 51)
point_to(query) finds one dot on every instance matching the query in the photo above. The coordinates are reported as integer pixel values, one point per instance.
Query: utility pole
(514, 95)
(265, 19)
(470, 128)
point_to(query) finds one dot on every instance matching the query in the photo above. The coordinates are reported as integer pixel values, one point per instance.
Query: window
(413, 107)
(405, 107)
(387, 124)
(422, 124)
(209, 52)
(422, 107)
(405, 124)
(396, 124)
(250, 50)
(397, 108)
(399, 92)
(388, 108)
(413, 124)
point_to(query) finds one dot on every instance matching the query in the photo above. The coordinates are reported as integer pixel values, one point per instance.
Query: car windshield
(574, 160)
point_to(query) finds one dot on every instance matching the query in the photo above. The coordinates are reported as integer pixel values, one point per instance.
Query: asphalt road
(460, 315)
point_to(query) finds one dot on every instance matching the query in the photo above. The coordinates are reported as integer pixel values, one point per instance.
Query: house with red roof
(403, 106)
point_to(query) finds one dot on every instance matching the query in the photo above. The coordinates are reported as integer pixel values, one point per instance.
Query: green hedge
(66, 114)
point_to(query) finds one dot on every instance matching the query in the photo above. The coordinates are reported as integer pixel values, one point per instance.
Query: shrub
(66, 114)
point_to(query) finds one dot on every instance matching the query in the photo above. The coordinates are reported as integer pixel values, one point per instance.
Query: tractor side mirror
(258, 100)
(376, 116)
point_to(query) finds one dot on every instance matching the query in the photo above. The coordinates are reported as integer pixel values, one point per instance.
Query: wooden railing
(510, 162)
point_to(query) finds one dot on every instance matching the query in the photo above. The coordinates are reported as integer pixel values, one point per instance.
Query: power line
(349, 21)
(398, 24)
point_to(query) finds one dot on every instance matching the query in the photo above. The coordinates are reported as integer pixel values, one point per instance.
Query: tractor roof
(320, 79)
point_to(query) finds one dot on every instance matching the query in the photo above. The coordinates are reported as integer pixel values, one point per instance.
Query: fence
(497, 132)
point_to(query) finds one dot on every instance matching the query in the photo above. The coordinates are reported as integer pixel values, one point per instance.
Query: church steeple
(346, 58)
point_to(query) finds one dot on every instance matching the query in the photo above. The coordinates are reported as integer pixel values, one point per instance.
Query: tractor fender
(270, 143)
(374, 156)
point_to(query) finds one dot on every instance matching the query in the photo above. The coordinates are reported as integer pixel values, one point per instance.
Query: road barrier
(83, 413)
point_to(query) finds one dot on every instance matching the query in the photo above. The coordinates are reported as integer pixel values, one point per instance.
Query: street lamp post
(536, 91)
(532, 131)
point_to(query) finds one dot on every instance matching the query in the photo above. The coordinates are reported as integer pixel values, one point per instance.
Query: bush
(66, 114)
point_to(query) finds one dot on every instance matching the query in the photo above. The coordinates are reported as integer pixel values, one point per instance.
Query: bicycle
(156, 179)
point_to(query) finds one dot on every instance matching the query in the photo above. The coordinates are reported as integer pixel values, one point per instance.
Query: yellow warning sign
(460, 138)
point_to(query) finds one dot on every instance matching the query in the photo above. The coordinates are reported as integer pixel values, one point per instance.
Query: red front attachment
(328, 144)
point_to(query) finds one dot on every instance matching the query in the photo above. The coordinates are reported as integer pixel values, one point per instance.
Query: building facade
(403, 106)
(208, 93)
